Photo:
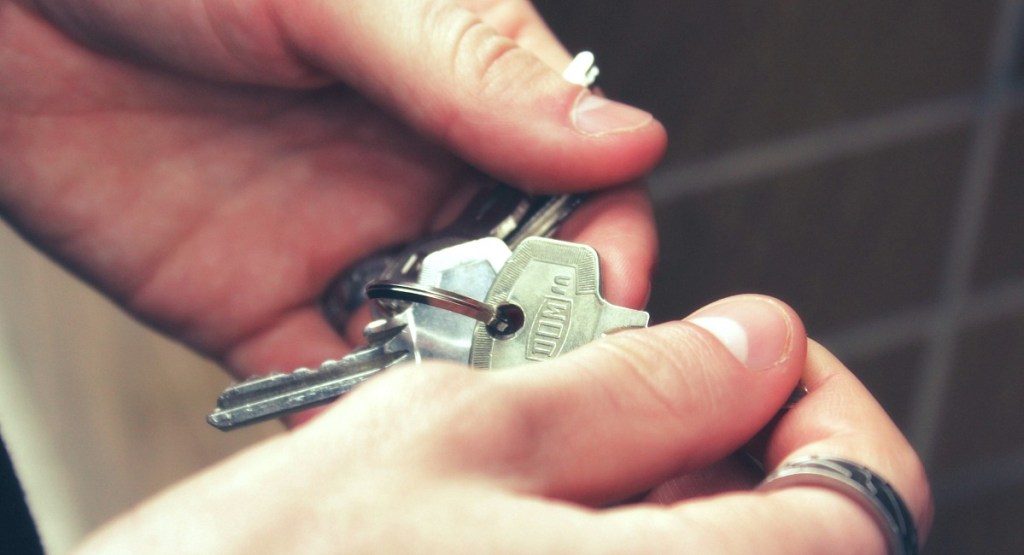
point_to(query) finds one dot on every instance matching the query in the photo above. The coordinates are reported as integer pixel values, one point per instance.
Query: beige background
(97, 411)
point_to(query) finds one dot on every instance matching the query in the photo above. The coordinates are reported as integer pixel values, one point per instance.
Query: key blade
(279, 394)
(545, 217)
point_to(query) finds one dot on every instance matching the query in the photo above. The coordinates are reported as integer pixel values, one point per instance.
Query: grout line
(813, 147)
(901, 328)
(968, 223)
(1017, 63)
(882, 334)
(735, 167)
(997, 302)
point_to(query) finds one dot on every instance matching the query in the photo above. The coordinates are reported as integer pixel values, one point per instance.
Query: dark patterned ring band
(860, 484)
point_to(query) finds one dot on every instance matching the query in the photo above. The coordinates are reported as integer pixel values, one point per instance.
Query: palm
(219, 212)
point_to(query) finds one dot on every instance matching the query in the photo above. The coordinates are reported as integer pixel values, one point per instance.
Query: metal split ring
(432, 296)
(501, 321)
(859, 484)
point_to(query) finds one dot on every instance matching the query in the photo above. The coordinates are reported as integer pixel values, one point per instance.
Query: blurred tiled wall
(864, 161)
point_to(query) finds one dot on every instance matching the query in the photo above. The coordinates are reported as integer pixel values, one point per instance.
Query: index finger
(619, 224)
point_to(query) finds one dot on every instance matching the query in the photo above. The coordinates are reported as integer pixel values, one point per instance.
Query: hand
(212, 165)
(441, 459)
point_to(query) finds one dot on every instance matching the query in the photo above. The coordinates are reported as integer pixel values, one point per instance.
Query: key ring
(502, 321)
(432, 296)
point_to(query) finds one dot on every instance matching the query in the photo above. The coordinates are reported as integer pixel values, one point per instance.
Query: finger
(459, 80)
(839, 418)
(803, 521)
(619, 225)
(738, 523)
(301, 337)
(618, 416)
(676, 397)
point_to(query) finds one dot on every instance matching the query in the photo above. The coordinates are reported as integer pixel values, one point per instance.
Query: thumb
(452, 75)
(621, 414)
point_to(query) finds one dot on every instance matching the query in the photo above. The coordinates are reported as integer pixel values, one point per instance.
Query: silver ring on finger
(861, 485)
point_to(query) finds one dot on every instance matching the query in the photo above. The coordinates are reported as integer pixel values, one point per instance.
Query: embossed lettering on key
(551, 293)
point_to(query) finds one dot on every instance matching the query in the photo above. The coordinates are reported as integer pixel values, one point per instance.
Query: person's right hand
(537, 459)
(212, 165)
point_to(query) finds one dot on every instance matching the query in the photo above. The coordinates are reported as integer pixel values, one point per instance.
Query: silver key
(411, 333)
(553, 289)
(275, 395)
(466, 269)
(545, 301)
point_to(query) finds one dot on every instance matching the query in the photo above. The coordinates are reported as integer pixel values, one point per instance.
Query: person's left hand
(212, 165)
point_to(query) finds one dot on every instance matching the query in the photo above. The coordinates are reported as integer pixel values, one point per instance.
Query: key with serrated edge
(412, 334)
(272, 396)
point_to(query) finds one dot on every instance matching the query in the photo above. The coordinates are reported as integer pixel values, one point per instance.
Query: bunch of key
(491, 290)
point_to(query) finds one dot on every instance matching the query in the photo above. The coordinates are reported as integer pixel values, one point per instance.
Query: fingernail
(594, 115)
(756, 330)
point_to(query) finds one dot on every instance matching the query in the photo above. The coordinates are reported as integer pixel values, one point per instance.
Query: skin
(537, 459)
(210, 166)
(263, 173)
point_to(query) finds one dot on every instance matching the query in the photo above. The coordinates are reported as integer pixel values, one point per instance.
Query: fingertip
(596, 115)
(602, 143)
(549, 136)
(760, 332)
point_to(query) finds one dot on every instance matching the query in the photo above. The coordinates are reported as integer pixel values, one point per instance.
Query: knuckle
(475, 50)
(482, 63)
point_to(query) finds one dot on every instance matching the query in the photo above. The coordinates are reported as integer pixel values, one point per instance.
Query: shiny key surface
(466, 269)
(555, 287)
